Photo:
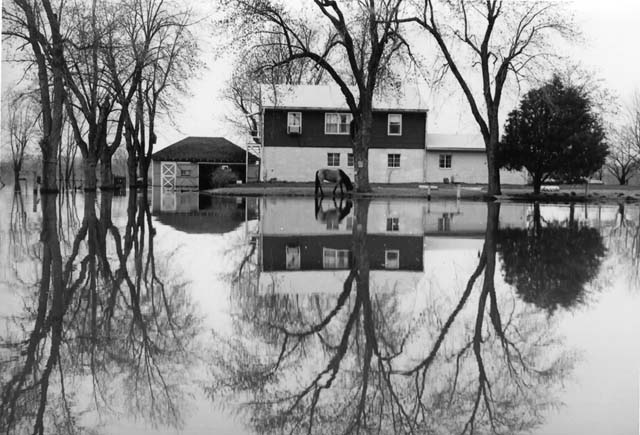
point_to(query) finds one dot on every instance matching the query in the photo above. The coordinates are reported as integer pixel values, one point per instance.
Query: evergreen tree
(554, 134)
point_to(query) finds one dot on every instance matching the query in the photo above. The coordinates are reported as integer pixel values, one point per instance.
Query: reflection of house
(189, 163)
(195, 213)
(304, 253)
(308, 127)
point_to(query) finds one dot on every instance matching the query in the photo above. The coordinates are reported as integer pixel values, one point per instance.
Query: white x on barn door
(168, 175)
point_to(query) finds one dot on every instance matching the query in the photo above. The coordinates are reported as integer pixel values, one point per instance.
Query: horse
(334, 216)
(336, 176)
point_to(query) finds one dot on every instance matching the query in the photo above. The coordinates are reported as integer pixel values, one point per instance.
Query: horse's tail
(317, 183)
(346, 180)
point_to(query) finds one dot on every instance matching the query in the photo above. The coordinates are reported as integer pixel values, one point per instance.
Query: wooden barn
(189, 164)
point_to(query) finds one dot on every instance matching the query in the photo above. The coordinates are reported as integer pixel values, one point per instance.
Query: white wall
(467, 167)
(300, 164)
(285, 216)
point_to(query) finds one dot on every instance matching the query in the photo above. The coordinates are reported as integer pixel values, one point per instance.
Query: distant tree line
(105, 70)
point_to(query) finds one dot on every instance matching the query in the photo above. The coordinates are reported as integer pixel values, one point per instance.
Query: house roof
(455, 142)
(331, 97)
(203, 149)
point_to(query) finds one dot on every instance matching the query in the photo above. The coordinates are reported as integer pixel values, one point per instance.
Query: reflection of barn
(189, 163)
(196, 213)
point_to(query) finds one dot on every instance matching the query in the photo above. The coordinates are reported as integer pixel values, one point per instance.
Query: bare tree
(358, 46)
(498, 38)
(21, 118)
(253, 69)
(624, 155)
(37, 24)
(150, 59)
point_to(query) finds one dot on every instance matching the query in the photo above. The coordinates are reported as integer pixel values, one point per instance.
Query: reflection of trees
(550, 264)
(354, 363)
(107, 312)
(624, 240)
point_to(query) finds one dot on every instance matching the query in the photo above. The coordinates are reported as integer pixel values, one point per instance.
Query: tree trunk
(132, 168)
(16, 178)
(90, 174)
(537, 182)
(361, 152)
(143, 171)
(537, 219)
(491, 144)
(106, 174)
(50, 168)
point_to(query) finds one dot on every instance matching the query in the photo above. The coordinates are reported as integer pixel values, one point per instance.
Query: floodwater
(169, 312)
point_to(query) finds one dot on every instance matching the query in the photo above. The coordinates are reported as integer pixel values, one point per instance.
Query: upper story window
(393, 224)
(444, 222)
(337, 123)
(394, 124)
(445, 161)
(333, 159)
(335, 258)
(393, 160)
(294, 122)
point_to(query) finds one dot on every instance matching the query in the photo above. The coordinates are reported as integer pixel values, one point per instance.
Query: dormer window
(294, 123)
(394, 124)
(337, 123)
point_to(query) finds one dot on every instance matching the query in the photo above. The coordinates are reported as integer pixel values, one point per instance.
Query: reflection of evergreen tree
(550, 265)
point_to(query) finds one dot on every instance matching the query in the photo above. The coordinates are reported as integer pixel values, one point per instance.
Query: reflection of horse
(336, 176)
(334, 216)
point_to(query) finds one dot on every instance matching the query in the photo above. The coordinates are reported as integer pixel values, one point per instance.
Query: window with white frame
(333, 159)
(333, 224)
(292, 257)
(392, 259)
(444, 222)
(393, 224)
(185, 172)
(394, 124)
(337, 123)
(393, 160)
(335, 258)
(294, 122)
(350, 160)
(445, 161)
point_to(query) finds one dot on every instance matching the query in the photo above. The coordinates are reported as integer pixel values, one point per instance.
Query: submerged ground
(165, 312)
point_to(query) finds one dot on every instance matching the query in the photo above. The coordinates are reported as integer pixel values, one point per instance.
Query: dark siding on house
(274, 250)
(275, 131)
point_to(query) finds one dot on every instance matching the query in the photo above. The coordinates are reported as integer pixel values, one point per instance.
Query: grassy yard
(566, 193)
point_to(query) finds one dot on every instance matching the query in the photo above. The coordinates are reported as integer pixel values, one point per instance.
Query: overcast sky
(610, 50)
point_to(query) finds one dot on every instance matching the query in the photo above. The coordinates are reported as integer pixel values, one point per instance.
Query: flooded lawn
(173, 312)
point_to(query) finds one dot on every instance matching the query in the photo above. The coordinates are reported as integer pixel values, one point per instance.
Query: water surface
(175, 312)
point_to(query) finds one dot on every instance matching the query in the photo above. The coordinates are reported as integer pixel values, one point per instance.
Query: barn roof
(203, 149)
(331, 97)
